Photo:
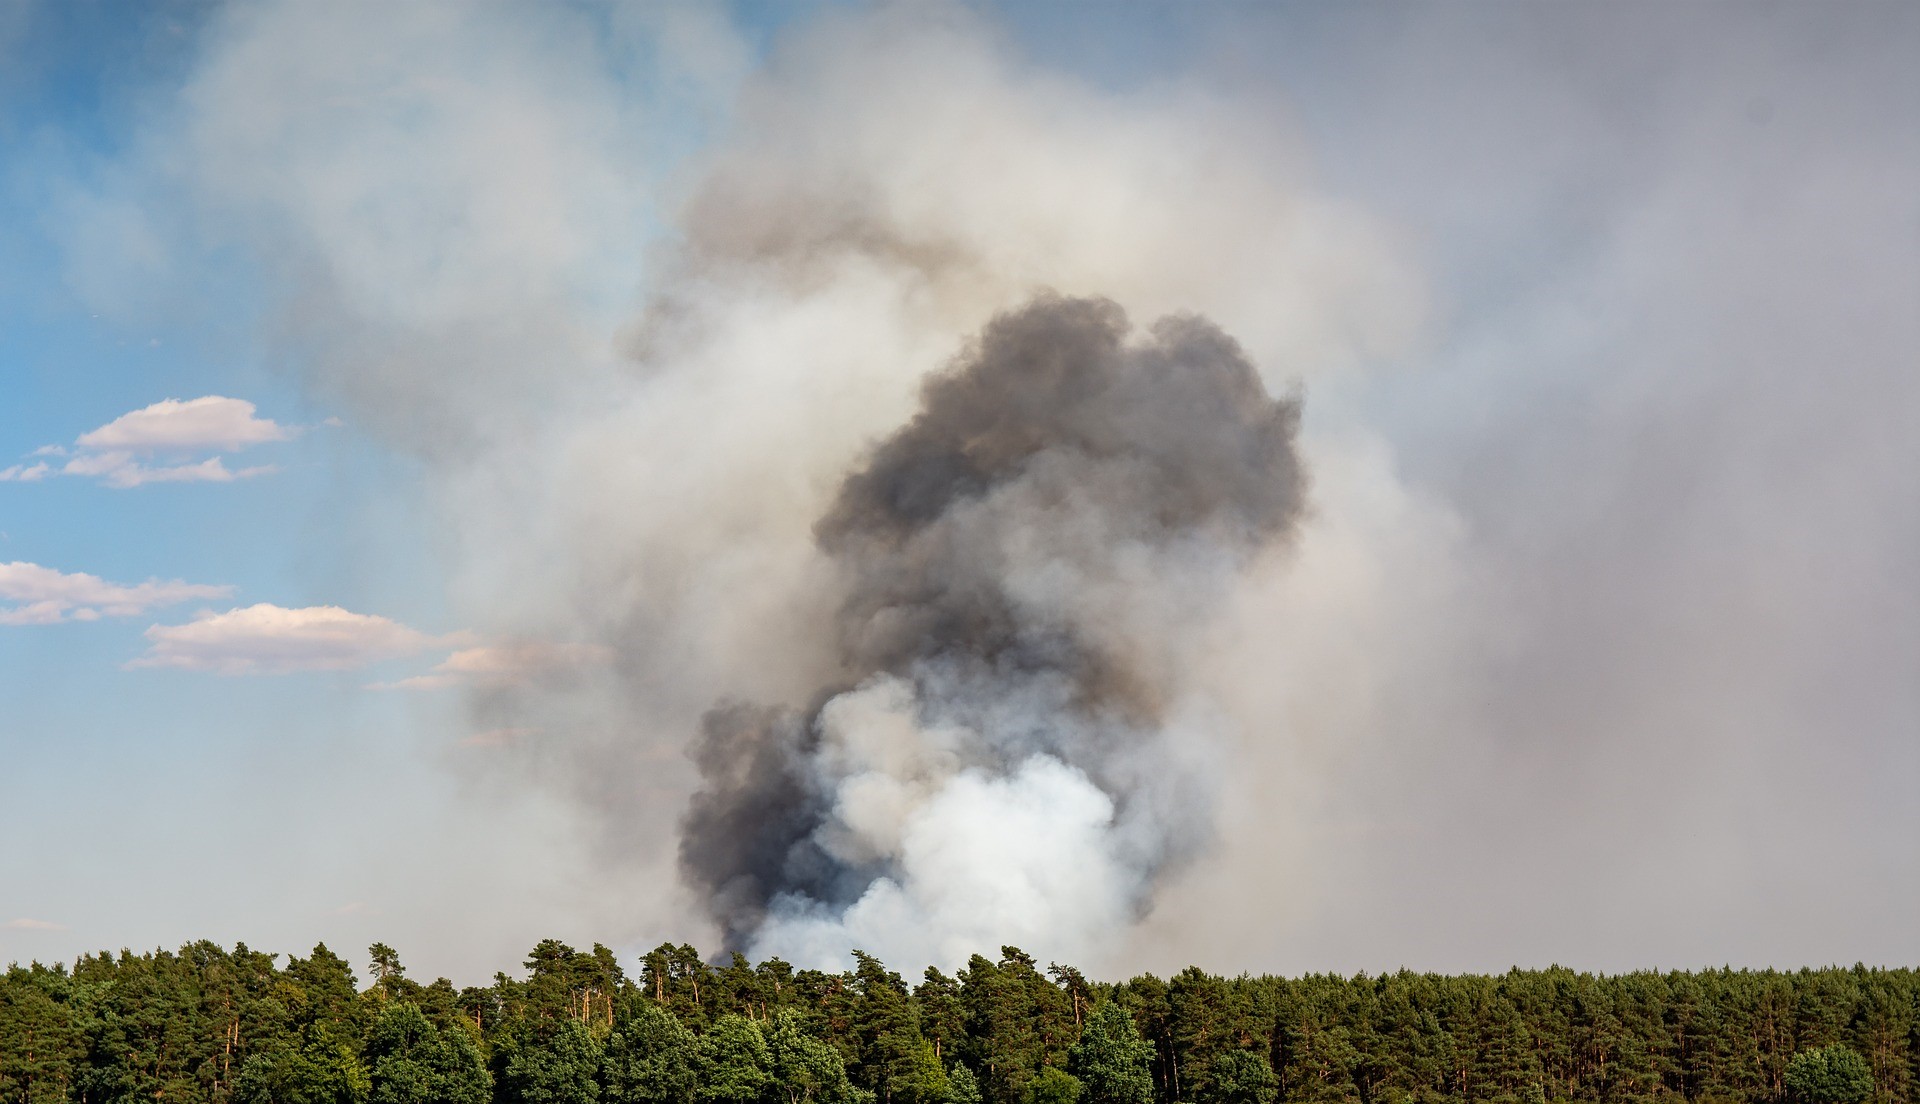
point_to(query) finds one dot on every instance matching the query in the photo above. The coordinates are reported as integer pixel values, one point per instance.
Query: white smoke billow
(1018, 565)
(980, 861)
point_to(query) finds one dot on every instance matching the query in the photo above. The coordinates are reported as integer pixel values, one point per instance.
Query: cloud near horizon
(45, 596)
(27, 923)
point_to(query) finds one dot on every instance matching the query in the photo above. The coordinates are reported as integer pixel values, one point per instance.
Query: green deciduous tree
(1240, 1077)
(1053, 1085)
(801, 1068)
(549, 1062)
(1829, 1075)
(962, 1086)
(1111, 1060)
(731, 1062)
(410, 1061)
(322, 1071)
(649, 1057)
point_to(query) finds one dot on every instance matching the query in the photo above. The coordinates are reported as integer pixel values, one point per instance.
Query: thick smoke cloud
(1062, 501)
(1597, 644)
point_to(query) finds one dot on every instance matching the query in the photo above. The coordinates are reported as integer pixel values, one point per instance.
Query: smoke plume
(993, 754)
(1596, 645)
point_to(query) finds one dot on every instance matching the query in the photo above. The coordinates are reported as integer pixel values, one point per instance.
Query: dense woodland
(208, 1024)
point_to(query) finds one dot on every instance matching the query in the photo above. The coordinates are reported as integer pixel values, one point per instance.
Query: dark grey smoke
(1053, 473)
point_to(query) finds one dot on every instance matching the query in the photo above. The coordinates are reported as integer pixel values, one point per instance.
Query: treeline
(209, 1024)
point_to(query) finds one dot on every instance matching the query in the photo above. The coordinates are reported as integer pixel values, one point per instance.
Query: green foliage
(731, 1062)
(1016, 1023)
(324, 1071)
(207, 1025)
(802, 1069)
(410, 1061)
(1242, 1077)
(892, 1059)
(962, 1086)
(1053, 1085)
(40, 1040)
(649, 1056)
(1112, 1061)
(551, 1062)
(1829, 1075)
(942, 1017)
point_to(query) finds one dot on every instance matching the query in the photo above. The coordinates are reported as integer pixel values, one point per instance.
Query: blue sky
(174, 768)
(1605, 317)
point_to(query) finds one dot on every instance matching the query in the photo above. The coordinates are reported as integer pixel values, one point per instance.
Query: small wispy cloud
(166, 442)
(356, 908)
(37, 595)
(25, 923)
(496, 737)
(516, 663)
(266, 639)
(122, 469)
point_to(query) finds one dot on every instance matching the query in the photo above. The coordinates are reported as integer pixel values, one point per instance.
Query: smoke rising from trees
(1595, 645)
(1013, 562)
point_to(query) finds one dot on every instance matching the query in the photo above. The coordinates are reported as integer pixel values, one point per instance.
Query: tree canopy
(1829, 1075)
(233, 1026)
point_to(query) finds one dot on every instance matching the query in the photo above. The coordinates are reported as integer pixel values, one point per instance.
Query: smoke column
(1605, 593)
(995, 757)
(940, 696)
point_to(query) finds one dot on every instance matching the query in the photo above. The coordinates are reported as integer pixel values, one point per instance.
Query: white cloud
(211, 423)
(24, 923)
(120, 469)
(44, 596)
(265, 639)
(176, 430)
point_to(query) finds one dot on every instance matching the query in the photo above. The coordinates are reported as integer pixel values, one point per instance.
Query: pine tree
(891, 1059)
(942, 1017)
(40, 1041)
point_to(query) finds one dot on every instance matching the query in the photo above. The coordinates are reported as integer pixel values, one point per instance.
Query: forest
(208, 1024)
